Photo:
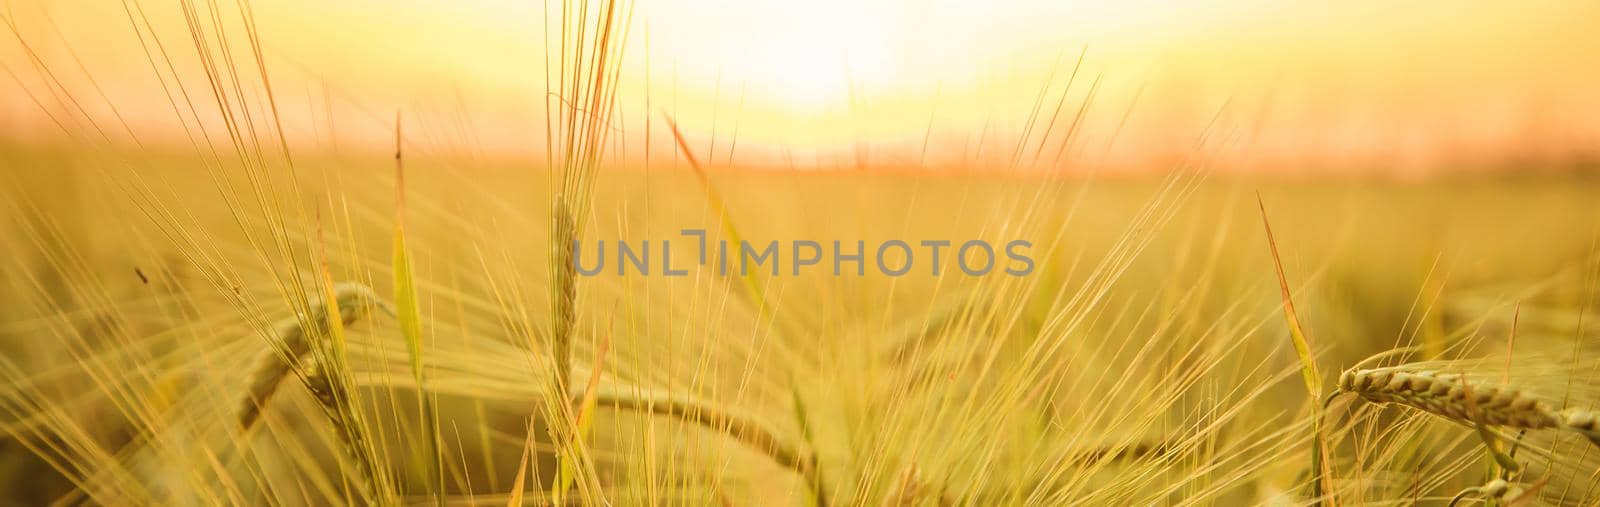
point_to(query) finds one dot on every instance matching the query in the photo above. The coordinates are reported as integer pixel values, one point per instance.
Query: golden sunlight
(810, 56)
(1309, 86)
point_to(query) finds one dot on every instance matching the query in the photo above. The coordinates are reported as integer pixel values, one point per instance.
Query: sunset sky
(1357, 85)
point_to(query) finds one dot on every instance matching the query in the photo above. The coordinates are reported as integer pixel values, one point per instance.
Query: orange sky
(1356, 85)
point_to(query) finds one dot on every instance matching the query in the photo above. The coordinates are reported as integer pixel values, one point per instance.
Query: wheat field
(241, 320)
(1146, 361)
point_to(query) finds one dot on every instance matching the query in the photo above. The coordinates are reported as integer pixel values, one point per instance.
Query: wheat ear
(273, 369)
(1584, 422)
(1446, 394)
(289, 354)
(304, 349)
(563, 302)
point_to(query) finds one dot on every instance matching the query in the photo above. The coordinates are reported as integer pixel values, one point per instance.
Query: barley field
(244, 318)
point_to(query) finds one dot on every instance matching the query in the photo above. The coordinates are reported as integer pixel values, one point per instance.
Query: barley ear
(273, 369)
(564, 294)
(313, 349)
(1491, 444)
(290, 351)
(1450, 396)
(563, 313)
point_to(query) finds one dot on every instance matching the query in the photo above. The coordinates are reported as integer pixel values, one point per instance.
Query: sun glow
(800, 56)
(910, 80)
(808, 74)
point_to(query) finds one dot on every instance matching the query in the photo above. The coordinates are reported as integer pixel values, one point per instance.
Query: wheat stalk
(745, 428)
(333, 395)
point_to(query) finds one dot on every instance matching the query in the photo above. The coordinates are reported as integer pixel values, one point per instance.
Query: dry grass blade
(1308, 364)
(751, 285)
(519, 485)
(1302, 346)
(410, 317)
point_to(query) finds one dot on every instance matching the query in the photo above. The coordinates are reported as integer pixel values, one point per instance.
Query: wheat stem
(747, 429)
